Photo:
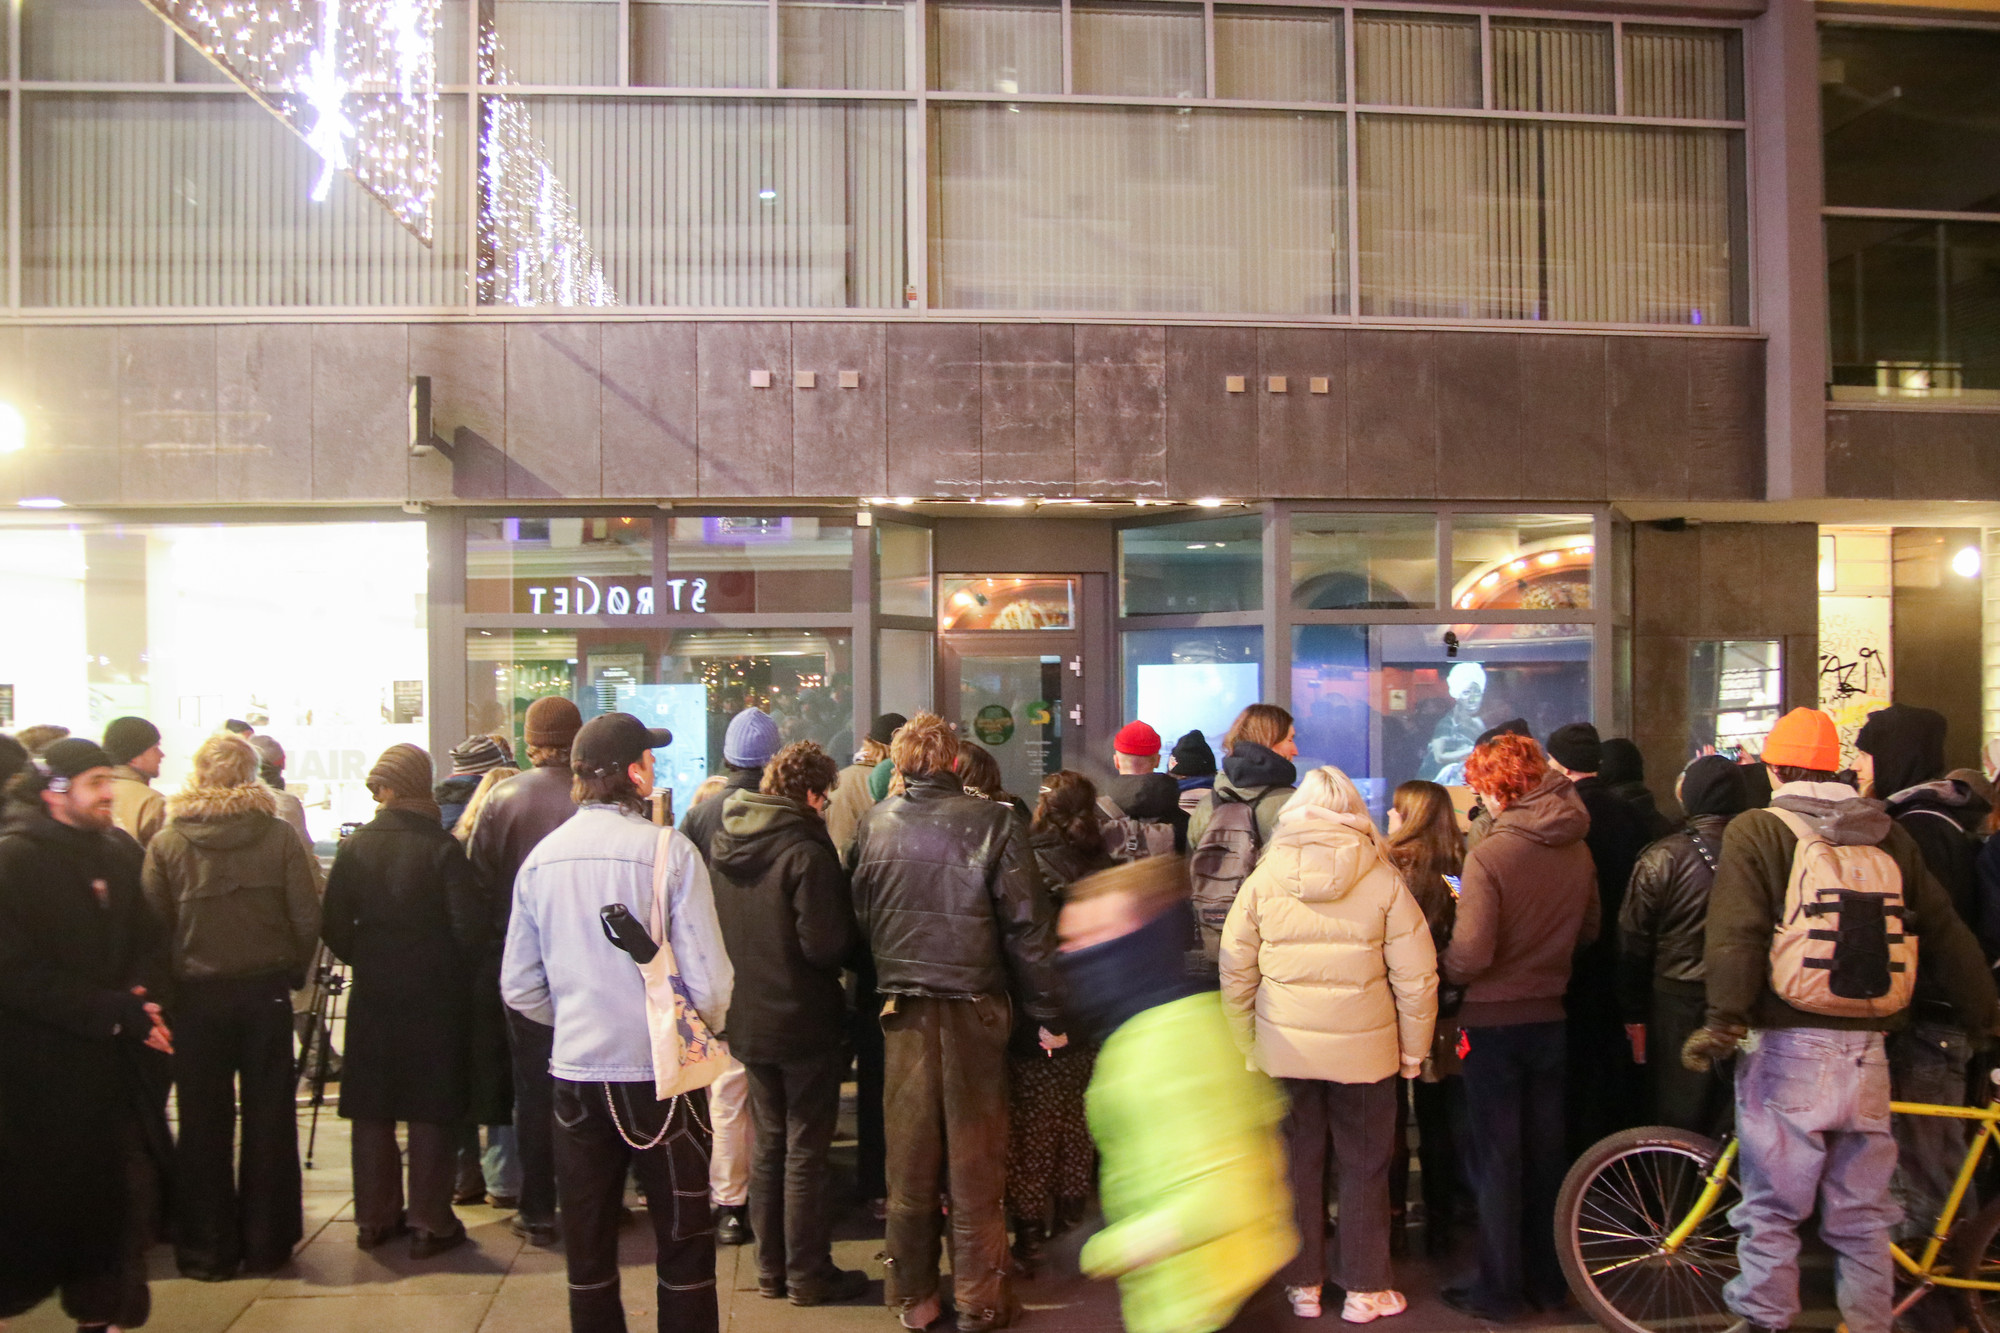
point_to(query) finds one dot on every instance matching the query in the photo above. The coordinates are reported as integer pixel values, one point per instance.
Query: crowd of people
(1206, 1000)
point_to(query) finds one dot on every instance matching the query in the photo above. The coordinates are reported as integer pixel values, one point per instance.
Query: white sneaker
(1365, 1307)
(1305, 1301)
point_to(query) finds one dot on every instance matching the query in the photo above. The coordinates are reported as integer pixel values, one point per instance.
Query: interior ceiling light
(356, 79)
(1210, 502)
(13, 429)
(41, 502)
(1965, 563)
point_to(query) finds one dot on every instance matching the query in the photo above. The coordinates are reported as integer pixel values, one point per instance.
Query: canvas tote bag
(686, 1055)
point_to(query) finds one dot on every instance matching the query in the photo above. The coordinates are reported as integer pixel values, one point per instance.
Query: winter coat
(453, 795)
(1062, 864)
(1328, 971)
(75, 1081)
(293, 811)
(1616, 837)
(238, 893)
(705, 817)
(950, 902)
(403, 910)
(1749, 896)
(135, 806)
(788, 924)
(1527, 903)
(1663, 923)
(1639, 799)
(1943, 819)
(1153, 797)
(1192, 1166)
(1907, 744)
(1250, 773)
(851, 799)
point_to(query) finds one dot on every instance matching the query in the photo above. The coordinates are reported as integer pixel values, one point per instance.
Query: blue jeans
(1514, 1101)
(1812, 1116)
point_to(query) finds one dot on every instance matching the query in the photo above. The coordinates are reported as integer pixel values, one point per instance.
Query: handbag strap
(663, 855)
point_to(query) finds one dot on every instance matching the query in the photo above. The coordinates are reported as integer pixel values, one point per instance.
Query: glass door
(1011, 665)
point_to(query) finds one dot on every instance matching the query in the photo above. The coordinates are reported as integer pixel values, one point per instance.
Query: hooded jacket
(73, 1080)
(1528, 902)
(950, 902)
(238, 893)
(850, 800)
(788, 923)
(1253, 773)
(403, 908)
(1152, 797)
(135, 806)
(1197, 1214)
(703, 818)
(1328, 970)
(453, 795)
(1749, 895)
(1942, 818)
(1907, 745)
(1663, 925)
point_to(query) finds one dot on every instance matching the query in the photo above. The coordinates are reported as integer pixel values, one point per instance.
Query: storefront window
(1350, 562)
(690, 681)
(902, 569)
(314, 633)
(1735, 692)
(904, 669)
(1206, 565)
(759, 562)
(1007, 602)
(559, 566)
(1387, 703)
(1521, 562)
(1182, 680)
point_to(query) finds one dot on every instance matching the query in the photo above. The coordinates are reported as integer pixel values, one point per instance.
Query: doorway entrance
(1011, 670)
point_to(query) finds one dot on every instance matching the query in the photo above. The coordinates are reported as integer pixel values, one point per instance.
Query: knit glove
(1717, 1041)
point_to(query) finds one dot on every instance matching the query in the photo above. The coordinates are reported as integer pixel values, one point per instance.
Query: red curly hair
(1506, 768)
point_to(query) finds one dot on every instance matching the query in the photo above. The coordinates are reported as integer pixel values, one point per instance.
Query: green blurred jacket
(1196, 1208)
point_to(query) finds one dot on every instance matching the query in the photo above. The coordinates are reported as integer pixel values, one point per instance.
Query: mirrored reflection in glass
(559, 566)
(1525, 562)
(1347, 562)
(1389, 703)
(759, 562)
(1214, 564)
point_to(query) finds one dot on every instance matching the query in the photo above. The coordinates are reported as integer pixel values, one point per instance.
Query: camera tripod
(329, 983)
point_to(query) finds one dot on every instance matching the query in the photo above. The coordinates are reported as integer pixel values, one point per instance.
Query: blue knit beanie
(751, 740)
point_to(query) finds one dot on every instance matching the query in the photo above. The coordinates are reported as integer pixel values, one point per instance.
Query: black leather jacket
(519, 813)
(1663, 924)
(950, 902)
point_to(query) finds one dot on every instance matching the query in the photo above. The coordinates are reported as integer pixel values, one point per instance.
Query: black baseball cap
(612, 742)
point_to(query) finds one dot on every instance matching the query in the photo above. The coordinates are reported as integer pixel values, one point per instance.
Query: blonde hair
(476, 807)
(223, 760)
(925, 745)
(1260, 724)
(712, 785)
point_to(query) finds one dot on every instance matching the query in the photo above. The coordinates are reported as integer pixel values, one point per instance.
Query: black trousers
(593, 1157)
(1439, 1108)
(1514, 1079)
(1683, 1098)
(118, 1293)
(795, 1106)
(864, 1034)
(534, 1126)
(233, 1041)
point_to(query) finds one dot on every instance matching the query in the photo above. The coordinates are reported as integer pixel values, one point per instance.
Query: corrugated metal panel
(1103, 208)
(180, 200)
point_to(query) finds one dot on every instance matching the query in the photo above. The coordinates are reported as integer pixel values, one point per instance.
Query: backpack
(1841, 948)
(1224, 858)
(1129, 839)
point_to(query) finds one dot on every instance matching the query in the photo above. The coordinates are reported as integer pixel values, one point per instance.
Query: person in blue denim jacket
(1812, 1090)
(560, 969)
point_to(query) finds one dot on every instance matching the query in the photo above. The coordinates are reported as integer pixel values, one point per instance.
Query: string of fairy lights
(356, 79)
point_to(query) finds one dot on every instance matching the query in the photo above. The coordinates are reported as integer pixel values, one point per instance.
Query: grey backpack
(1224, 858)
(1129, 839)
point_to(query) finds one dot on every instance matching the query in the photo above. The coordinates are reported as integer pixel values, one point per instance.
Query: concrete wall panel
(1565, 432)
(1121, 410)
(933, 390)
(1211, 432)
(1648, 428)
(840, 443)
(361, 412)
(1027, 409)
(1392, 414)
(647, 405)
(1481, 448)
(467, 366)
(166, 412)
(1725, 419)
(744, 433)
(70, 392)
(553, 416)
(263, 419)
(1301, 435)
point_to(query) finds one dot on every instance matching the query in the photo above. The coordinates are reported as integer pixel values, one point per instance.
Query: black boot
(1028, 1240)
(732, 1225)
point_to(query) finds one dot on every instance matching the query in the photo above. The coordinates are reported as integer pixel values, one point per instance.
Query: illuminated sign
(585, 596)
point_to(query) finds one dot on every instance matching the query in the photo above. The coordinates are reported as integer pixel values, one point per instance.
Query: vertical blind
(1129, 49)
(996, 47)
(1560, 67)
(848, 46)
(1139, 208)
(567, 43)
(195, 200)
(721, 44)
(1416, 59)
(724, 203)
(1277, 55)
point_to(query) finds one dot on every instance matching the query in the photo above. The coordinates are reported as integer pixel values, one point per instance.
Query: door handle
(1076, 667)
(1076, 715)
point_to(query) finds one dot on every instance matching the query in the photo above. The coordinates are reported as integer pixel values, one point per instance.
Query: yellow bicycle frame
(1924, 1268)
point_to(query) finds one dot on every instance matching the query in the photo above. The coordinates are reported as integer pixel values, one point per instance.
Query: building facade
(1417, 366)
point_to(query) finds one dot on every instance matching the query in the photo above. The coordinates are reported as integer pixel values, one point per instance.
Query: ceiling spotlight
(1966, 562)
(1210, 502)
(40, 502)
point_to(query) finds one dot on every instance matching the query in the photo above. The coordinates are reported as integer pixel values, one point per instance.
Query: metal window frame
(919, 98)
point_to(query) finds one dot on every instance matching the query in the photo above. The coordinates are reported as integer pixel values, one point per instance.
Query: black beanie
(1513, 726)
(1907, 744)
(1621, 762)
(886, 727)
(1192, 757)
(129, 737)
(1577, 748)
(74, 755)
(1713, 785)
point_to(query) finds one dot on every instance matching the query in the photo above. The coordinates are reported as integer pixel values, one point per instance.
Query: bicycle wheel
(1975, 1252)
(1618, 1204)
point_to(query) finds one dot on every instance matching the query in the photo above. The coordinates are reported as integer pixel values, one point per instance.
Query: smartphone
(1451, 882)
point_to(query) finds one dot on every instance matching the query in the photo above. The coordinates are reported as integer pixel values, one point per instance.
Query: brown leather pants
(945, 1114)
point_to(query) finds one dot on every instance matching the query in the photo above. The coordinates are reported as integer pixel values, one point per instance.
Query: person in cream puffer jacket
(1329, 979)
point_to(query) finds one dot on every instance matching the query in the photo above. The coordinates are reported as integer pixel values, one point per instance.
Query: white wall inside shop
(302, 628)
